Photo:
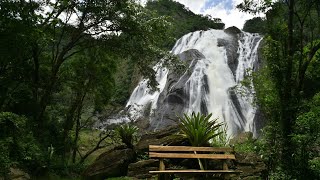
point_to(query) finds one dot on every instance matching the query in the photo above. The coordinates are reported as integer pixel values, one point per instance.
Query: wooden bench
(187, 152)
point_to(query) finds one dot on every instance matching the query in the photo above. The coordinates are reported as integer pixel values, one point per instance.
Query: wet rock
(112, 163)
(231, 44)
(173, 98)
(232, 30)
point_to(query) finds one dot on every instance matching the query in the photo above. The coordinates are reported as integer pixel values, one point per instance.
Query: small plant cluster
(199, 129)
(127, 134)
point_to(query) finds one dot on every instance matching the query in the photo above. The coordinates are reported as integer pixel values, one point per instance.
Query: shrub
(17, 144)
(199, 129)
(127, 133)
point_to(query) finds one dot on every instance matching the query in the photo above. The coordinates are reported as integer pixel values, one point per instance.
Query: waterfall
(210, 85)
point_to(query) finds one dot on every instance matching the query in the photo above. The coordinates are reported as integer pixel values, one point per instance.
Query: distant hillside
(183, 20)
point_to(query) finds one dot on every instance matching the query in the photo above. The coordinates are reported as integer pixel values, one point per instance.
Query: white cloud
(194, 5)
(231, 17)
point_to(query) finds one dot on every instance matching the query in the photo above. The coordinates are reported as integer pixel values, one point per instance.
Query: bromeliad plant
(127, 133)
(199, 129)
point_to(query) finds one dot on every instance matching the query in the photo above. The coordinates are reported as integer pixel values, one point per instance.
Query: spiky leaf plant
(199, 129)
(127, 132)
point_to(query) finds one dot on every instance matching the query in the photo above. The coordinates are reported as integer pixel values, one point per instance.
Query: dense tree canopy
(255, 25)
(59, 60)
(288, 83)
(66, 64)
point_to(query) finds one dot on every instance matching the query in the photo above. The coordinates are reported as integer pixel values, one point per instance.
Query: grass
(248, 146)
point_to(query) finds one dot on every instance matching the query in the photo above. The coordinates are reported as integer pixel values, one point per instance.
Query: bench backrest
(190, 152)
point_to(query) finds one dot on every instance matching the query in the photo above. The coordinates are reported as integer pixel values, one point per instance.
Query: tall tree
(289, 29)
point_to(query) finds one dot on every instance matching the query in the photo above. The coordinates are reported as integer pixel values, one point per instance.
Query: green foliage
(222, 139)
(61, 72)
(17, 143)
(182, 19)
(268, 81)
(268, 146)
(127, 133)
(314, 165)
(5, 161)
(306, 140)
(199, 129)
(254, 7)
(255, 25)
(249, 146)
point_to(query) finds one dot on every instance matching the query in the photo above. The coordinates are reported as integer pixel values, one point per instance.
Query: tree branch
(98, 146)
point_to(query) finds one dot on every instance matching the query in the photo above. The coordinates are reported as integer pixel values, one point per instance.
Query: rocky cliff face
(218, 62)
(173, 98)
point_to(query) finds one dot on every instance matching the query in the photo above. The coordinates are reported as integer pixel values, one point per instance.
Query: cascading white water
(248, 55)
(211, 81)
(143, 96)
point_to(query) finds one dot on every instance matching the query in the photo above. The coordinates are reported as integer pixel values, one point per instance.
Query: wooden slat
(185, 155)
(189, 148)
(193, 171)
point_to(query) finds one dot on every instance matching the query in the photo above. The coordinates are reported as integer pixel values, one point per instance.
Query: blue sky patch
(227, 4)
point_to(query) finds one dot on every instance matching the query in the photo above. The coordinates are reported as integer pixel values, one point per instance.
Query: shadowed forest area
(67, 65)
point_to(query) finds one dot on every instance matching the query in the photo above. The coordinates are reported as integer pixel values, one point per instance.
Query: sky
(223, 9)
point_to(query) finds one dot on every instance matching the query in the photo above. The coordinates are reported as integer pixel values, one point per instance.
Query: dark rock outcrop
(140, 169)
(231, 46)
(251, 165)
(173, 98)
(232, 30)
(164, 137)
(112, 163)
(18, 174)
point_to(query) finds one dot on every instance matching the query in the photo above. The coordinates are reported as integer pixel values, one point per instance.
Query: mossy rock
(164, 137)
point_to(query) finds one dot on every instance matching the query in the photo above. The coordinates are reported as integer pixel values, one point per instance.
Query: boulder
(112, 163)
(232, 30)
(242, 138)
(141, 168)
(251, 166)
(18, 174)
(164, 137)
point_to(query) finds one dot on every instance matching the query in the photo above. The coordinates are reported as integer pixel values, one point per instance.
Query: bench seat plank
(194, 171)
(186, 155)
(189, 148)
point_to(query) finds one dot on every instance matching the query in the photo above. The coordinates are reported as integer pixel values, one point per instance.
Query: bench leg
(225, 167)
(162, 167)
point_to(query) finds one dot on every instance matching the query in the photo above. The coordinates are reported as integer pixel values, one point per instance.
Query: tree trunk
(45, 99)
(287, 104)
(69, 122)
(76, 138)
